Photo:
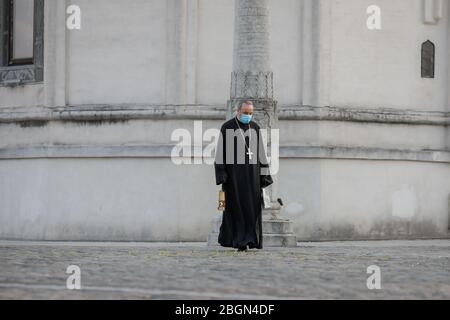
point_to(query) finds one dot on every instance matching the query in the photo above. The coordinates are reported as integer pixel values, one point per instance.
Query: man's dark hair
(244, 102)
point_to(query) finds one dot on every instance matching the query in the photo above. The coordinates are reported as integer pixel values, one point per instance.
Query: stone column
(252, 79)
(252, 76)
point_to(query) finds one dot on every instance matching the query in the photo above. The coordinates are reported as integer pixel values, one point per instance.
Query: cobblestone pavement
(329, 270)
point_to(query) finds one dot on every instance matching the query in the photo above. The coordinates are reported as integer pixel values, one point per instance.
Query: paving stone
(330, 270)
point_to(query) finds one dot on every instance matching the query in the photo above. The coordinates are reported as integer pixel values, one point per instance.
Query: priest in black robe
(243, 171)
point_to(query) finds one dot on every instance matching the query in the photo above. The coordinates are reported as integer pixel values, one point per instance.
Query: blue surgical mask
(245, 118)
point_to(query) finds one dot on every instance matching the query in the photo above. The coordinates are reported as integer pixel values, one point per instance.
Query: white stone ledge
(164, 151)
(377, 115)
(364, 153)
(125, 112)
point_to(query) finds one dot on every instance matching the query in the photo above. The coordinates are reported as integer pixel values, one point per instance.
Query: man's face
(246, 109)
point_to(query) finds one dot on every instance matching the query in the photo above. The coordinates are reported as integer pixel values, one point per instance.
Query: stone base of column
(277, 231)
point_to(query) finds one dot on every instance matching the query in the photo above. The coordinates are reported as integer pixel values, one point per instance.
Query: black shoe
(243, 248)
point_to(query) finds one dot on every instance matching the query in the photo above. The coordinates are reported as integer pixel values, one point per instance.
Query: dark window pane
(21, 31)
(428, 59)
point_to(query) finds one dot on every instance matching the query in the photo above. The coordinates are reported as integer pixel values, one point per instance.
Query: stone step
(279, 240)
(269, 240)
(277, 227)
(272, 226)
(213, 239)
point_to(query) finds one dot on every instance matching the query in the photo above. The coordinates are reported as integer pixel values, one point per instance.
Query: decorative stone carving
(17, 75)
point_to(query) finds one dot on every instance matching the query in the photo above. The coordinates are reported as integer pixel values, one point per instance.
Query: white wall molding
(317, 48)
(217, 112)
(164, 151)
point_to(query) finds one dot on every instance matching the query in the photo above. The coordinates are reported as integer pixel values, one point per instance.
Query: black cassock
(242, 183)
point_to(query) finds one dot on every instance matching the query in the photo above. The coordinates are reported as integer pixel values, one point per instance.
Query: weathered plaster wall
(92, 164)
(152, 199)
(350, 199)
(382, 67)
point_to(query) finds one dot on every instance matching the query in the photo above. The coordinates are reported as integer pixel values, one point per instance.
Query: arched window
(428, 51)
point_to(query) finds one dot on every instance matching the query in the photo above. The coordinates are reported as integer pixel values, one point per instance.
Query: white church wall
(132, 55)
(370, 139)
(21, 96)
(105, 199)
(363, 134)
(119, 55)
(71, 199)
(215, 50)
(347, 199)
(57, 133)
(115, 181)
(286, 46)
(102, 180)
(126, 61)
(381, 68)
